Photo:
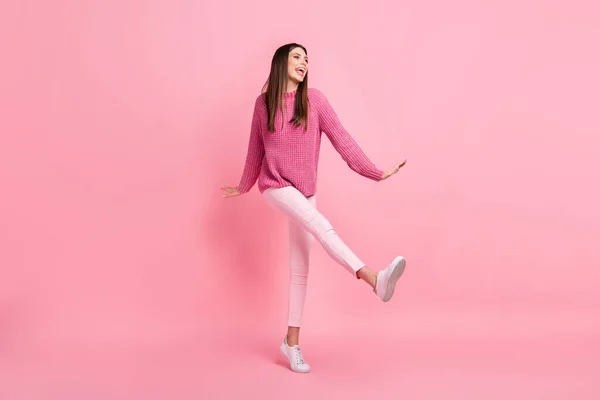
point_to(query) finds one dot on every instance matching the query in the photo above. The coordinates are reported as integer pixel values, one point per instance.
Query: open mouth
(301, 71)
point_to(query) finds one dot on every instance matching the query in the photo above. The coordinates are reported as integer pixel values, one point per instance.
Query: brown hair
(276, 86)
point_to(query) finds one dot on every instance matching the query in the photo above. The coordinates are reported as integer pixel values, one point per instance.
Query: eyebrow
(300, 54)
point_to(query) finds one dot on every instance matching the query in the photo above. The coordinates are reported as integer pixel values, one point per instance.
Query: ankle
(367, 275)
(293, 335)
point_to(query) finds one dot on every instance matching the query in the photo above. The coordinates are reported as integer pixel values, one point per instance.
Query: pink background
(125, 275)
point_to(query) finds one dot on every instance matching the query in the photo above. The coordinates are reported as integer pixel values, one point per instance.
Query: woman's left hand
(230, 191)
(393, 170)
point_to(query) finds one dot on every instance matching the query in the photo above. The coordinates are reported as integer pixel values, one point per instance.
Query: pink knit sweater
(290, 156)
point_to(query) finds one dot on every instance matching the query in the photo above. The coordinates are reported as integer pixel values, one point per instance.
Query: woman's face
(297, 65)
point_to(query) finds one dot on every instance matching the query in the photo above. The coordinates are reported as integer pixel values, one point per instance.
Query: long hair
(276, 86)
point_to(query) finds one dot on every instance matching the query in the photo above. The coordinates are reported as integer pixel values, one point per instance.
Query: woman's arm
(342, 141)
(256, 152)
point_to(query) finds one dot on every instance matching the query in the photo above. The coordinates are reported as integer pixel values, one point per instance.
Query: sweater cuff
(375, 174)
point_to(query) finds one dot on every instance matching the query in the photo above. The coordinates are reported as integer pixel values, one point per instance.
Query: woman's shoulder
(261, 97)
(317, 96)
(315, 92)
(260, 100)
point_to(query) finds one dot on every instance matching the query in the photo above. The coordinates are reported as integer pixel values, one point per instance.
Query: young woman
(283, 155)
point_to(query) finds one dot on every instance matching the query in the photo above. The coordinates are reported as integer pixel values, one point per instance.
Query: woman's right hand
(230, 191)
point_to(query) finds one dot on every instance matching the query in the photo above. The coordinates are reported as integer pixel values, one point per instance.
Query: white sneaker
(294, 356)
(387, 278)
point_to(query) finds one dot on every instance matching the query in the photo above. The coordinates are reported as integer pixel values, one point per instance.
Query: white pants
(306, 223)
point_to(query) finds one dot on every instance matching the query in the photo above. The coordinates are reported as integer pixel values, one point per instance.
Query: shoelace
(298, 354)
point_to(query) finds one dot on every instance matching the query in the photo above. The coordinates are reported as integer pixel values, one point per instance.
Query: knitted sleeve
(341, 140)
(256, 152)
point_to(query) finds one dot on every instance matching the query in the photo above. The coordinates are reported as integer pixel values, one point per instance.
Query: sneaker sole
(398, 266)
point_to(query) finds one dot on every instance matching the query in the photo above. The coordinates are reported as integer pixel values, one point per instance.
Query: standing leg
(300, 242)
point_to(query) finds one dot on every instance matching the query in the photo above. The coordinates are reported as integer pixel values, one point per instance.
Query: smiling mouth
(301, 71)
